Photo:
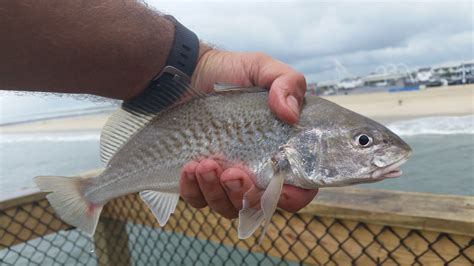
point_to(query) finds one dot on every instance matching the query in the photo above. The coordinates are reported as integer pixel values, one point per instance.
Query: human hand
(208, 183)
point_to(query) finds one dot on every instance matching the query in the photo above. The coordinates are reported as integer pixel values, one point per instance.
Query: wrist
(153, 56)
(206, 52)
(175, 74)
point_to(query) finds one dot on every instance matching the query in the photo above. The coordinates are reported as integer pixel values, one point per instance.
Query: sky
(312, 36)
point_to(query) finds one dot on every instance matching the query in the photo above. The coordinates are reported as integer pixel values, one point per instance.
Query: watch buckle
(176, 73)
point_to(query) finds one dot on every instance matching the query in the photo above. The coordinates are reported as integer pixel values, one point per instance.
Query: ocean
(442, 160)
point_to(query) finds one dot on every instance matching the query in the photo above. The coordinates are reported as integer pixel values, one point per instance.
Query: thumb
(286, 96)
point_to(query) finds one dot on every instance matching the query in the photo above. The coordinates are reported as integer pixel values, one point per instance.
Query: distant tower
(341, 70)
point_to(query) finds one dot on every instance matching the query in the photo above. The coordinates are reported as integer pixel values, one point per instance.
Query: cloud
(310, 35)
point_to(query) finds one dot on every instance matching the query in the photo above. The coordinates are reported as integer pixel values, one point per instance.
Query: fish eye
(363, 140)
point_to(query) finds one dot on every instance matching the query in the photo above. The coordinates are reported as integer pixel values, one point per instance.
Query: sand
(77, 123)
(384, 107)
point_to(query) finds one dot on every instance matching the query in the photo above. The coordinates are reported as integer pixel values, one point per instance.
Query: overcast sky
(311, 35)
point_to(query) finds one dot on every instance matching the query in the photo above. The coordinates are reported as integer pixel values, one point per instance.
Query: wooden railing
(342, 226)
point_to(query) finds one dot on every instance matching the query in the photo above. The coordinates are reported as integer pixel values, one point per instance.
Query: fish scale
(145, 152)
(204, 122)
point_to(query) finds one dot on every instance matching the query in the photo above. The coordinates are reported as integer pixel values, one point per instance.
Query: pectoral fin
(251, 215)
(161, 204)
(259, 207)
(223, 88)
(269, 201)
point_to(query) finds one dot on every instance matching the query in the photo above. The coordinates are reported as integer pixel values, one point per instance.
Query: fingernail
(191, 177)
(293, 104)
(209, 176)
(233, 185)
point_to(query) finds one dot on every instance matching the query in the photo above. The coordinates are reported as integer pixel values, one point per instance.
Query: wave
(49, 137)
(6, 120)
(439, 125)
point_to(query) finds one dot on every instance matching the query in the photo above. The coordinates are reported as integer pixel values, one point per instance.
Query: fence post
(111, 243)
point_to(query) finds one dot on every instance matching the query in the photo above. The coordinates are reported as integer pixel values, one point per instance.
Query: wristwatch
(183, 56)
(175, 78)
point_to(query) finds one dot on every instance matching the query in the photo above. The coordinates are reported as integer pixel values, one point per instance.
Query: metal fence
(127, 234)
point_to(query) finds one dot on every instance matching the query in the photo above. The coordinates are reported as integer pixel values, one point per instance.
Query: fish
(147, 142)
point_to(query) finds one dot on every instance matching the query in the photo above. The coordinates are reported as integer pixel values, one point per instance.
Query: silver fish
(330, 146)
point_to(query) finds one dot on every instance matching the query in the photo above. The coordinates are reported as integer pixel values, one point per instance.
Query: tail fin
(68, 202)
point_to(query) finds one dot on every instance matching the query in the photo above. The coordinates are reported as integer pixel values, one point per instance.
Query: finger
(293, 199)
(236, 182)
(286, 96)
(189, 187)
(208, 172)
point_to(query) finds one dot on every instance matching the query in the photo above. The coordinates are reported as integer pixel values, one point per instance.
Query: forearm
(108, 48)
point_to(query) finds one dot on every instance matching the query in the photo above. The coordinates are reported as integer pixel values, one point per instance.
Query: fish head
(337, 147)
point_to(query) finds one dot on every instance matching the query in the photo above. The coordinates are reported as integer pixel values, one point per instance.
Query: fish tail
(69, 203)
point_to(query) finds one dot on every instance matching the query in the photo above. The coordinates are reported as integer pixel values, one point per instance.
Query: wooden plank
(20, 198)
(424, 211)
(443, 213)
(28, 221)
(29, 195)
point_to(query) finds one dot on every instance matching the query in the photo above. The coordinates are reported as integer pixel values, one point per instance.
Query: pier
(341, 226)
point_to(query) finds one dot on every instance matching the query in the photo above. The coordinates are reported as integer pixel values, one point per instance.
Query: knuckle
(225, 211)
(230, 216)
(207, 166)
(189, 167)
(262, 56)
(301, 78)
(198, 205)
(293, 209)
(215, 197)
(196, 202)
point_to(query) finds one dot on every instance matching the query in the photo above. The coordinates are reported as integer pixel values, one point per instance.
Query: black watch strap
(185, 50)
(174, 80)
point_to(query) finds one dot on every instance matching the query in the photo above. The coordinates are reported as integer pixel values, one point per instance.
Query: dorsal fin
(135, 114)
(222, 88)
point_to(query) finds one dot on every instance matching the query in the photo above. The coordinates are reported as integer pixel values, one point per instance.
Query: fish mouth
(390, 171)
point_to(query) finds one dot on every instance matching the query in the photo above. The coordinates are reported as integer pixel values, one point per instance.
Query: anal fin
(161, 204)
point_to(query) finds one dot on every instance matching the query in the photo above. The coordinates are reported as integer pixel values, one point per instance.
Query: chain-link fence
(127, 234)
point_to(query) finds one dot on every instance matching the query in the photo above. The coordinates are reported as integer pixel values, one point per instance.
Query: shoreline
(383, 107)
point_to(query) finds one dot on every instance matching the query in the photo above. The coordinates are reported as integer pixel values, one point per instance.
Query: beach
(383, 107)
(386, 107)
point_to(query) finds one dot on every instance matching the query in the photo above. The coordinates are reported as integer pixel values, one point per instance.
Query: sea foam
(438, 125)
(49, 137)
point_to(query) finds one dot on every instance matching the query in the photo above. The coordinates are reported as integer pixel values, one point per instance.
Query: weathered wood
(22, 197)
(424, 211)
(441, 213)
(341, 224)
(111, 243)
(306, 238)
(18, 198)
(28, 221)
